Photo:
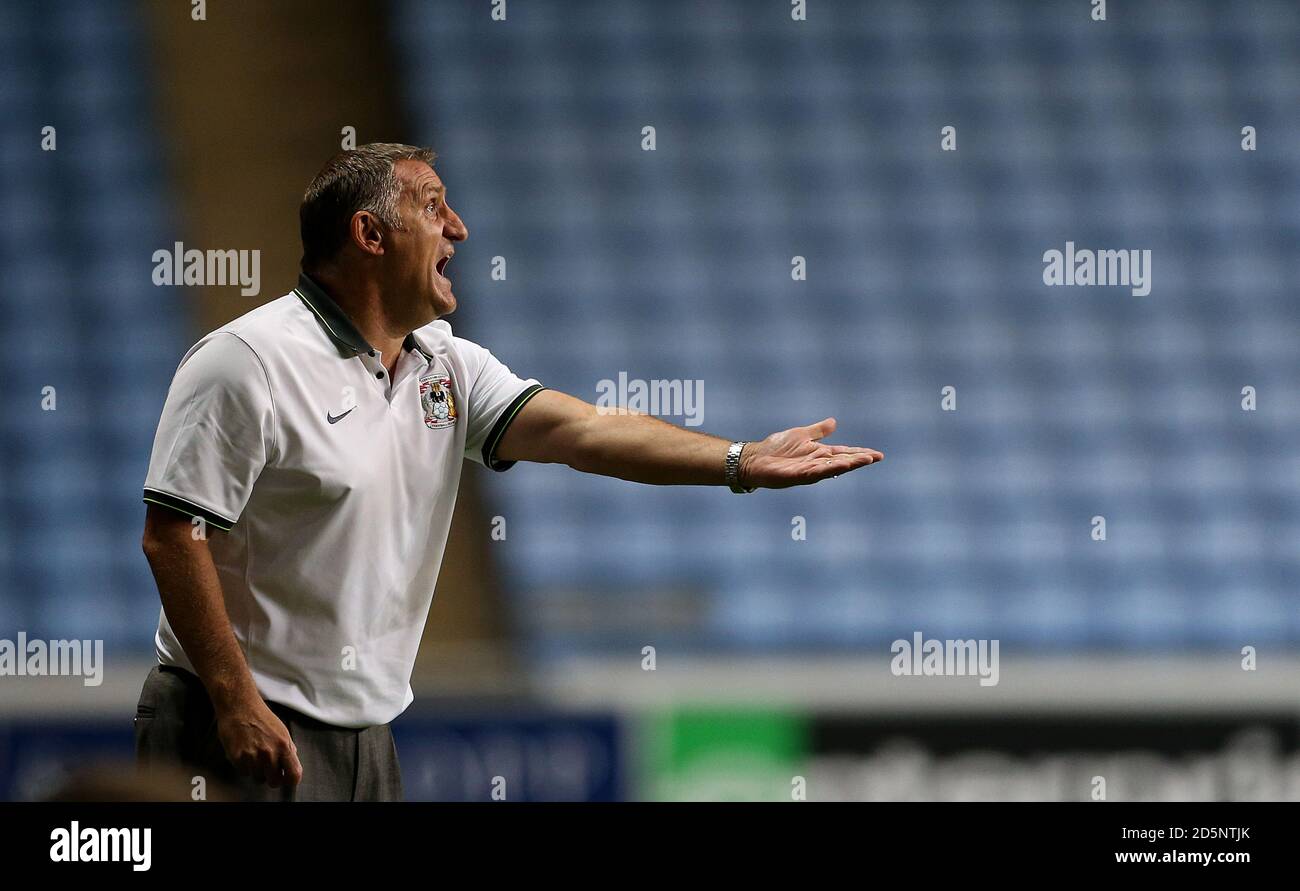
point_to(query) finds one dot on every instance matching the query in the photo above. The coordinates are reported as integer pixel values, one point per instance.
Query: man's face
(418, 254)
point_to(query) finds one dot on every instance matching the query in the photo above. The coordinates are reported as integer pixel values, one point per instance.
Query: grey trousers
(175, 726)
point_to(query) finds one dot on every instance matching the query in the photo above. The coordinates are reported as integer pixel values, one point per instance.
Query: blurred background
(793, 234)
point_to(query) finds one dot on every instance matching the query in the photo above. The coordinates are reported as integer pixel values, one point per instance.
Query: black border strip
(499, 429)
(189, 508)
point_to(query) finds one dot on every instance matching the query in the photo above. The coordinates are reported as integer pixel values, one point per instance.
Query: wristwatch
(733, 468)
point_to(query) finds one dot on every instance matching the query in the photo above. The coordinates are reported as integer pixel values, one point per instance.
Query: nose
(454, 229)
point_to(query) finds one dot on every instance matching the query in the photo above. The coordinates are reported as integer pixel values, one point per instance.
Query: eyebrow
(438, 191)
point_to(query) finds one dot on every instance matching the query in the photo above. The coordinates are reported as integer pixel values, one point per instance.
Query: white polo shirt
(335, 488)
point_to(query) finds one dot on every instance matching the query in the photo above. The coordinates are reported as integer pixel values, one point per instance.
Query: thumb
(293, 767)
(820, 429)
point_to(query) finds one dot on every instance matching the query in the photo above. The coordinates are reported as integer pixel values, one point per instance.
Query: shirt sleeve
(216, 432)
(495, 396)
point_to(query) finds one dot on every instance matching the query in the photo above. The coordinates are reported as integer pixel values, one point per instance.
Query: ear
(366, 232)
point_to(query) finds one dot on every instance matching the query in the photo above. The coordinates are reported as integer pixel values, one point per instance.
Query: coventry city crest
(437, 401)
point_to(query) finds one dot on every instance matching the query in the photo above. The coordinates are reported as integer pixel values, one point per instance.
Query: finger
(834, 466)
(866, 456)
(855, 450)
(268, 768)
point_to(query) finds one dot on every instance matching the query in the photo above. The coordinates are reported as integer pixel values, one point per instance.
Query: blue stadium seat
(821, 139)
(78, 226)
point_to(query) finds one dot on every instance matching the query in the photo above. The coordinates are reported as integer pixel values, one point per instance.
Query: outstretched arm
(554, 428)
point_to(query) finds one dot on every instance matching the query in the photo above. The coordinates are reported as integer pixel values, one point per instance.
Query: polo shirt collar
(413, 343)
(338, 324)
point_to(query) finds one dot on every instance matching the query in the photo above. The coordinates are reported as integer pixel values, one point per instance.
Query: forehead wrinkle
(433, 186)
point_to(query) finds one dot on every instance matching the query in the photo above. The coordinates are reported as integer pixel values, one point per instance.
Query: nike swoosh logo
(333, 420)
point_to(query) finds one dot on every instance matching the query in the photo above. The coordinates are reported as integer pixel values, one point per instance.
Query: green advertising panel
(724, 755)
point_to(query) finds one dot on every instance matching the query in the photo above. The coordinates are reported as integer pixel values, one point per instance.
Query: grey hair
(360, 179)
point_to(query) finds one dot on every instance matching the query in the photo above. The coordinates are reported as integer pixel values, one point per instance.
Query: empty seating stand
(821, 139)
(78, 226)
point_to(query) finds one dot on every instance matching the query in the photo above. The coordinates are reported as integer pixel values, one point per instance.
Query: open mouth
(442, 265)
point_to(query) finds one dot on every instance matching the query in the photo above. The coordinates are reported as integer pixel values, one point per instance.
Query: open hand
(797, 457)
